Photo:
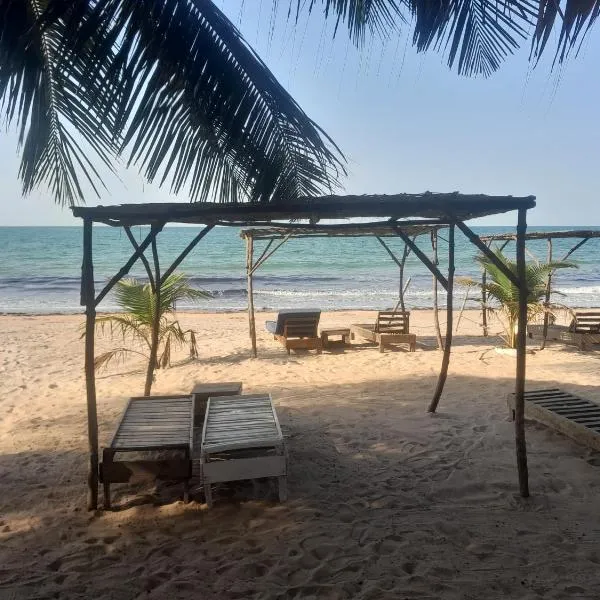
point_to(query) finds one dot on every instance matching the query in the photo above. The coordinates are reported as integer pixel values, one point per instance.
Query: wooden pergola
(582, 235)
(400, 211)
(282, 234)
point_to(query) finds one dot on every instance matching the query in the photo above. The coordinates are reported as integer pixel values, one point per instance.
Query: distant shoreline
(420, 309)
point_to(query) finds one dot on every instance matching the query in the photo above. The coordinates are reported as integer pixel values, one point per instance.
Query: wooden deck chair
(389, 328)
(297, 329)
(572, 415)
(583, 331)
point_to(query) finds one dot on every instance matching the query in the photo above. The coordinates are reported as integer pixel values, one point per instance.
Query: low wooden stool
(203, 391)
(343, 332)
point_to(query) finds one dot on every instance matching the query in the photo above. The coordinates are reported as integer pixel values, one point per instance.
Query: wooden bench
(573, 416)
(241, 439)
(390, 328)
(151, 424)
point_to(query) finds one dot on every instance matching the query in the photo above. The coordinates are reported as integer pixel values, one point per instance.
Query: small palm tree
(503, 290)
(136, 323)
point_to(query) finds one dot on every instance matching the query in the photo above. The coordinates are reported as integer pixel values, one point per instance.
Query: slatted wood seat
(203, 391)
(573, 416)
(390, 328)
(148, 424)
(242, 439)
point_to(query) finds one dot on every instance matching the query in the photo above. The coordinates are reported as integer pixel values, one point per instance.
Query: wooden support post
(249, 273)
(436, 312)
(487, 252)
(143, 258)
(547, 297)
(421, 255)
(155, 323)
(521, 445)
(405, 253)
(132, 260)
(88, 298)
(449, 312)
(266, 254)
(484, 311)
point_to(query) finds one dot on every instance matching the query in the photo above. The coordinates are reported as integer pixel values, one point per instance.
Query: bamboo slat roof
(428, 205)
(337, 230)
(543, 235)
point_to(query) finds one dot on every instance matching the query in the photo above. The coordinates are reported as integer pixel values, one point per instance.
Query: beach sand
(385, 500)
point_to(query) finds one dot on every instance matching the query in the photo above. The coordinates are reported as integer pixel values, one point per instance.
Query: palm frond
(54, 99)
(116, 355)
(476, 35)
(376, 16)
(203, 112)
(126, 325)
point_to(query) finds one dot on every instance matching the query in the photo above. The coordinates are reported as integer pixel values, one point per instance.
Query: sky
(405, 122)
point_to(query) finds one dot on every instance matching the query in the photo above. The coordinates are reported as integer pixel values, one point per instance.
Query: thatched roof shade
(542, 235)
(453, 206)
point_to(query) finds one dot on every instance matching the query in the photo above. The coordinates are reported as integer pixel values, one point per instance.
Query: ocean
(40, 270)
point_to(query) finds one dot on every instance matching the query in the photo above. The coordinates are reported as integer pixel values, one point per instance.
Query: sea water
(40, 269)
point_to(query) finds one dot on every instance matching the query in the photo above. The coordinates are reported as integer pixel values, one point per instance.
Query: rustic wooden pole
(547, 297)
(420, 254)
(155, 323)
(249, 274)
(484, 311)
(436, 313)
(487, 252)
(449, 313)
(143, 258)
(521, 445)
(88, 298)
(132, 260)
(405, 253)
(185, 252)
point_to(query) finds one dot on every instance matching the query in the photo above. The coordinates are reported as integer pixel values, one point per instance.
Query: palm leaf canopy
(173, 87)
(171, 84)
(476, 35)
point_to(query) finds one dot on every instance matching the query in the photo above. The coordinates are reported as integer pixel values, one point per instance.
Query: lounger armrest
(271, 326)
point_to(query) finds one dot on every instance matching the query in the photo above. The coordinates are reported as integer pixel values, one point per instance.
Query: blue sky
(407, 124)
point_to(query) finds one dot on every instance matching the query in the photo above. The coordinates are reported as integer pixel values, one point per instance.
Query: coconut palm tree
(135, 324)
(171, 86)
(501, 289)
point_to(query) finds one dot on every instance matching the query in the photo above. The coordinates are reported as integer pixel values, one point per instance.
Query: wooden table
(241, 439)
(203, 391)
(341, 331)
(151, 423)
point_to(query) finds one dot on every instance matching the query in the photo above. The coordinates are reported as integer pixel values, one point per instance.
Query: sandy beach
(385, 501)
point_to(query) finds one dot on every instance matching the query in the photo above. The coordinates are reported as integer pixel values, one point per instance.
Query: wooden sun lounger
(390, 328)
(583, 332)
(575, 417)
(151, 423)
(297, 330)
(242, 439)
